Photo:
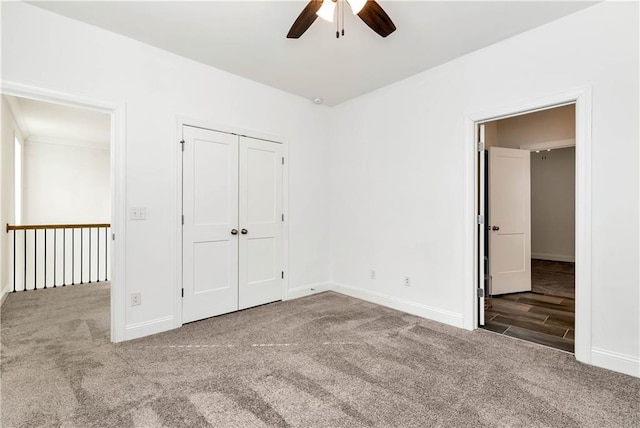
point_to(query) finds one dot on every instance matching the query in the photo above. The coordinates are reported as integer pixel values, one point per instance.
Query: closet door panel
(260, 248)
(210, 208)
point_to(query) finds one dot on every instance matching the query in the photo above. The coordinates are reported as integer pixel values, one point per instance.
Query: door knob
(495, 228)
(244, 231)
(234, 231)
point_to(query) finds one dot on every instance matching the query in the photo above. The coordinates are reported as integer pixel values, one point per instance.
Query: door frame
(582, 98)
(117, 113)
(214, 126)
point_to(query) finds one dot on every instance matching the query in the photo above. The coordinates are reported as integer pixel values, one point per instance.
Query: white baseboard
(413, 308)
(146, 328)
(614, 361)
(307, 290)
(4, 297)
(553, 257)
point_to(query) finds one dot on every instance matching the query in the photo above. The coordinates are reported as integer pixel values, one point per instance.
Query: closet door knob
(495, 228)
(244, 231)
(234, 231)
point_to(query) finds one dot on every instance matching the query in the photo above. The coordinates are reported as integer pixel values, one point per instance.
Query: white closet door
(260, 264)
(210, 207)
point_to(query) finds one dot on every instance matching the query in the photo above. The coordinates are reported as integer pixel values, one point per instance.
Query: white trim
(56, 97)
(470, 235)
(118, 223)
(146, 328)
(4, 298)
(413, 308)
(16, 110)
(285, 224)
(37, 139)
(177, 252)
(228, 129)
(582, 99)
(182, 121)
(615, 361)
(481, 202)
(553, 257)
(548, 145)
(307, 290)
(583, 227)
(528, 106)
(118, 185)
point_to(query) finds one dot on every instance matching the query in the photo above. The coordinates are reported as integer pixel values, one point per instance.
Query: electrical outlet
(138, 213)
(407, 281)
(373, 274)
(136, 299)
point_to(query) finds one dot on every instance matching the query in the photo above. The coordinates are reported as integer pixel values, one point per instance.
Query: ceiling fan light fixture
(356, 5)
(327, 10)
(369, 11)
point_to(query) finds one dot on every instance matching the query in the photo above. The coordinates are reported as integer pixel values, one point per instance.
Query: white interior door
(260, 263)
(210, 208)
(510, 220)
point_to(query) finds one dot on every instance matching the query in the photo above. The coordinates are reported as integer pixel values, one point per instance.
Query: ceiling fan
(368, 10)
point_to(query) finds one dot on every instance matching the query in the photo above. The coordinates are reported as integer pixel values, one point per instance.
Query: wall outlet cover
(136, 299)
(137, 213)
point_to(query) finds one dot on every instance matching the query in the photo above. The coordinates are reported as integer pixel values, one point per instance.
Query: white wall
(157, 88)
(65, 183)
(553, 204)
(398, 171)
(9, 131)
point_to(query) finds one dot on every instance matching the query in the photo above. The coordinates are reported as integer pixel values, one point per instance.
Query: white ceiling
(247, 38)
(55, 123)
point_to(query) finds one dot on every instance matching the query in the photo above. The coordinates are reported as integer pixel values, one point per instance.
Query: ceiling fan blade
(376, 18)
(305, 19)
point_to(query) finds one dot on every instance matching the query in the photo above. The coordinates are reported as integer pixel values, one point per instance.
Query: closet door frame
(201, 123)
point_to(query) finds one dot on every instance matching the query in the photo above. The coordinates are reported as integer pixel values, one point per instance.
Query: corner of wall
(147, 328)
(429, 312)
(10, 131)
(307, 290)
(4, 293)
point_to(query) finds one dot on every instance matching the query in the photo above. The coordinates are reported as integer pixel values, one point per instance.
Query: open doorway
(57, 191)
(528, 198)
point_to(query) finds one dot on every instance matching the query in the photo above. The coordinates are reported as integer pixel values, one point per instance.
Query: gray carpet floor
(553, 278)
(322, 361)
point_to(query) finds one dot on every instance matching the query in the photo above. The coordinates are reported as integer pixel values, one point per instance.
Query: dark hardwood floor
(544, 319)
(553, 278)
(546, 315)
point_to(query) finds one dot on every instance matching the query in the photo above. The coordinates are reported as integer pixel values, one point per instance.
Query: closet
(232, 239)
